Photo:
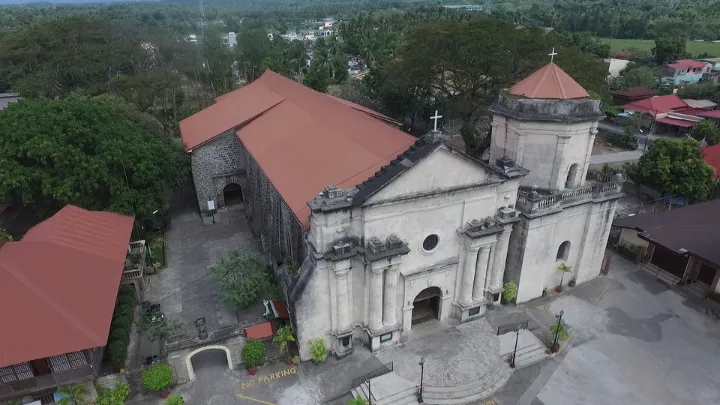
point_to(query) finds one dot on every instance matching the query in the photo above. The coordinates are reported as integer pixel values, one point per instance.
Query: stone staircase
(388, 389)
(530, 349)
(472, 392)
(697, 288)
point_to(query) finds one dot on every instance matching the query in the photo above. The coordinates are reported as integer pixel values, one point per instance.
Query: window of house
(430, 242)
(563, 251)
(16, 372)
(68, 361)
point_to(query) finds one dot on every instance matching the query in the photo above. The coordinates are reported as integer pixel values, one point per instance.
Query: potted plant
(75, 394)
(296, 360)
(284, 336)
(572, 282)
(562, 268)
(560, 330)
(158, 378)
(175, 400)
(318, 351)
(510, 291)
(357, 401)
(253, 355)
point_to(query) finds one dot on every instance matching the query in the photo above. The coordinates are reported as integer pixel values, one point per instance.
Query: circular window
(430, 242)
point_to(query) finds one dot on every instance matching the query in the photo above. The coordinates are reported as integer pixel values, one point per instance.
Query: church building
(372, 231)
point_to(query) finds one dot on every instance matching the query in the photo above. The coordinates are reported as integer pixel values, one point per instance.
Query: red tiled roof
(624, 54)
(59, 284)
(676, 122)
(686, 63)
(710, 114)
(634, 92)
(306, 141)
(712, 157)
(549, 82)
(260, 331)
(657, 104)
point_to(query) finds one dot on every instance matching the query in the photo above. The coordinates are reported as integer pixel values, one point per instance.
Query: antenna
(202, 21)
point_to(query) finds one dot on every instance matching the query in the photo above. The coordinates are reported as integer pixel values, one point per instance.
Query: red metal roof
(709, 114)
(712, 157)
(59, 284)
(686, 63)
(676, 122)
(657, 104)
(261, 331)
(549, 82)
(306, 141)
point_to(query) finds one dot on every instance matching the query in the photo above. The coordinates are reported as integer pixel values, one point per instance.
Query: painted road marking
(267, 378)
(255, 400)
(544, 307)
(491, 401)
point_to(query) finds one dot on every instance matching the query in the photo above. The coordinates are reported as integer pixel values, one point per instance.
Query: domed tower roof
(549, 82)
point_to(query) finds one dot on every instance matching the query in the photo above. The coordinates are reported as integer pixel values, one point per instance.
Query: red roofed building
(685, 71)
(656, 105)
(57, 294)
(712, 157)
(628, 96)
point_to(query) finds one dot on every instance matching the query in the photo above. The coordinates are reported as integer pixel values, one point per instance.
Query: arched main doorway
(233, 194)
(426, 306)
(208, 358)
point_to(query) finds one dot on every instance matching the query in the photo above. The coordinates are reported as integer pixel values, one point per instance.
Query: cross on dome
(435, 118)
(552, 55)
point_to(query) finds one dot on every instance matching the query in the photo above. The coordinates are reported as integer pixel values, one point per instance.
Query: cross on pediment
(552, 55)
(435, 118)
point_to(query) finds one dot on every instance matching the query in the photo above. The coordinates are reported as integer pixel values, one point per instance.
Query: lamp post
(369, 393)
(422, 372)
(517, 337)
(557, 332)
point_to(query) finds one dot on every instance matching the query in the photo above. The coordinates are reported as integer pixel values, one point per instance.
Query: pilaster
(341, 269)
(376, 296)
(481, 273)
(390, 299)
(466, 287)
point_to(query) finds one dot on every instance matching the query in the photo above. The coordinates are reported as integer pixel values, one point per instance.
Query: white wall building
(230, 39)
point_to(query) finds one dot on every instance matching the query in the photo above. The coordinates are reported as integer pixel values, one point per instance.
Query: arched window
(563, 251)
(571, 176)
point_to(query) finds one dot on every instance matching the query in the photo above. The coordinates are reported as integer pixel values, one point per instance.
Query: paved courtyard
(186, 289)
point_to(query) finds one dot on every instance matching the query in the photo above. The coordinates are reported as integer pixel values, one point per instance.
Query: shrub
(357, 401)
(175, 400)
(253, 354)
(126, 300)
(318, 351)
(121, 322)
(119, 334)
(625, 141)
(284, 336)
(296, 360)
(74, 394)
(5, 236)
(117, 352)
(126, 290)
(511, 291)
(563, 334)
(158, 243)
(112, 396)
(157, 377)
(242, 278)
(124, 311)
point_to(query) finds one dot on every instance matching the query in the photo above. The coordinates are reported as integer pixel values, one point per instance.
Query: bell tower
(546, 123)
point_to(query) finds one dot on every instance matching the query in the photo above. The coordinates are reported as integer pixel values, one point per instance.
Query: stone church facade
(431, 233)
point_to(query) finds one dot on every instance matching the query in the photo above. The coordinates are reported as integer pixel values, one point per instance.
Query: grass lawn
(695, 48)
(158, 256)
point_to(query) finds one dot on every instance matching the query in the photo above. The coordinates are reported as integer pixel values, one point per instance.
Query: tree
(674, 167)
(5, 236)
(703, 90)
(317, 78)
(175, 400)
(669, 48)
(99, 154)
(242, 278)
(636, 77)
(563, 268)
(75, 394)
(157, 329)
(284, 336)
(707, 130)
(112, 396)
(253, 46)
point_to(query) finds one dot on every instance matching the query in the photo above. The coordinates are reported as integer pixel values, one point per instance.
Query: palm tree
(74, 394)
(563, 268)
(284, 336)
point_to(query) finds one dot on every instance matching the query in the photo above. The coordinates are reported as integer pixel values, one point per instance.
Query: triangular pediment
(441, 170)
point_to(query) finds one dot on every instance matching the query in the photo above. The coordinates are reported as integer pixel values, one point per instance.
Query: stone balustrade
(531, 202)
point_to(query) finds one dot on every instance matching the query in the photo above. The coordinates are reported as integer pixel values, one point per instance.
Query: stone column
(343, 312)
(501, 249)
(466, 285)
(481, 273)
(376, 298)
(391, 279)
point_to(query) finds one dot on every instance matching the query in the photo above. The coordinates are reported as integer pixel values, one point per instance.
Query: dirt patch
(602, 146)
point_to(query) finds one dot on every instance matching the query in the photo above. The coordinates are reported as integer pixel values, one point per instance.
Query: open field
(695, 48)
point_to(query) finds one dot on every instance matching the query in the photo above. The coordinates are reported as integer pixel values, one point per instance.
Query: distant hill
(10, 2)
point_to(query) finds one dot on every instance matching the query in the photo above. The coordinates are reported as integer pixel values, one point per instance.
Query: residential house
(678, 245)
(685, 71)
(622, 97)
(615, 66)
(58, 286)
(621, 55)
(664, 113)
(705, 105)
(230, 39)
(715, 62)
(7, 98)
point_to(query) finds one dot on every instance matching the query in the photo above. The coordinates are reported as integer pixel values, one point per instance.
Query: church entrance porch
(426, 306)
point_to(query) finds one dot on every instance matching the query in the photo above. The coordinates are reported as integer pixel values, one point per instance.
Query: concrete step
(471, 396)
(697, 288)
(388, 389)
(531, 358)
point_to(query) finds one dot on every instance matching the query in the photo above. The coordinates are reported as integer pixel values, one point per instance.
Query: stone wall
(216, 164)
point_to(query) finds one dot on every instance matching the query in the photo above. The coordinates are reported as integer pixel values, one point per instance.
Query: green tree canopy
(669, 48)
(99, 154)
(640, 76)
(707, 130)
(675, 167)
